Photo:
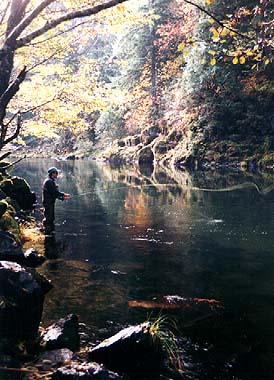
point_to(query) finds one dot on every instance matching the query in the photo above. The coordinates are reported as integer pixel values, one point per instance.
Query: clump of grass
(162, 329)
(30, 232)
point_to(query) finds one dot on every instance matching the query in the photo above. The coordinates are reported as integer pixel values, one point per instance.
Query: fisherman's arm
(54, 192)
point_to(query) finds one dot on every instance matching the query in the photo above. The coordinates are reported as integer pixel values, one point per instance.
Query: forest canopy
(109, 68)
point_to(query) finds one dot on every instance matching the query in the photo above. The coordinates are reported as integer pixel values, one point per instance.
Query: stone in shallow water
(53, 358)
(62, 334)
(85, 371)
(131, 350)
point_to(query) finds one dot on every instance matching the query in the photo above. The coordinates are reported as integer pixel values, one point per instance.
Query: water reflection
(131, 235)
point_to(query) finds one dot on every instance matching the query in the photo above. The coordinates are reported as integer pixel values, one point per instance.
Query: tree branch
(215, 18)
(67, 17)
(5, 155)
(4, 12)
(17, 130)
(12, 90)
(17, 14)
(18, 29)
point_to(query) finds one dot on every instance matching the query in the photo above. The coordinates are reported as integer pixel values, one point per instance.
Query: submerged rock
(62, 334)
(32, 258)
(132, 350)
(54, 358)
(85, 371)
(21, 296)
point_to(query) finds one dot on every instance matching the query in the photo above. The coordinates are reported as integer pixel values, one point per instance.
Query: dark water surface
(128, 235)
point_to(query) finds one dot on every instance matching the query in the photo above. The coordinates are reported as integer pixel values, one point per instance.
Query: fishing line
(244, 185)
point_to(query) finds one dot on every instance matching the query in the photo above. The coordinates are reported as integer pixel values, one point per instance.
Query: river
(146, 235)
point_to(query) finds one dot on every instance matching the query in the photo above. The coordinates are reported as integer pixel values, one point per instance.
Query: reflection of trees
(136, 210)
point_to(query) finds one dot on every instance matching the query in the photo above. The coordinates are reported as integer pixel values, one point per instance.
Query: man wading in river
(50, 194)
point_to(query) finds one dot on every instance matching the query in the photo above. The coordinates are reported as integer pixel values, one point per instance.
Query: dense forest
(172, 81)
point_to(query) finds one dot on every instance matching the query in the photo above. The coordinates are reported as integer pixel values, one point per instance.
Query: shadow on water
(130, 238)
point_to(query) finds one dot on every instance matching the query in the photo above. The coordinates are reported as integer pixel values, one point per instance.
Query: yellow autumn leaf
(185, 53)
(242, 60)
(213, 61)
(247, 11)
(211, 21)
(235, 61)
(249, 53)
(215, 32)
(211, 52)
(267, 61)
(224, 32)
(258, 57)
(121, 8)
(181, 46)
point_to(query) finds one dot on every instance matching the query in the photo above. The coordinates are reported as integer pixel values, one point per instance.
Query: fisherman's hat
(53, 169)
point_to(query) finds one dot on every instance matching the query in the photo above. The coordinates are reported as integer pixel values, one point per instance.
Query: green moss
(267, 160)
(8, 223)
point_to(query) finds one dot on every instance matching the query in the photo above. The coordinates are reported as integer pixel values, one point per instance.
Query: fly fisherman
(50, 194)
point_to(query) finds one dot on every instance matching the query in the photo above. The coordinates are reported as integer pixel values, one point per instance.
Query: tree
(22, 22)
(242, 30)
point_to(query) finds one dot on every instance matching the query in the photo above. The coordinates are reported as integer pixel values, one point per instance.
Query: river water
(130, 242)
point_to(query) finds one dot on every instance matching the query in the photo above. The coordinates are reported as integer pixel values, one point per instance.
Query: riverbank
(192, 150)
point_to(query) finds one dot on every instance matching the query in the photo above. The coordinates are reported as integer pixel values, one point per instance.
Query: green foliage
(8, 223)
(111, 122)
(162, 328)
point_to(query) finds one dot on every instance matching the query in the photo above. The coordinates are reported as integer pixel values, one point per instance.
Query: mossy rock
(3, 208)
(19, 190)
(8, 223)
(13, 205)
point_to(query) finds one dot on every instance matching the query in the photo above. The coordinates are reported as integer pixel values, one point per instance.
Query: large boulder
(62, 334)
(145, 155)
(132, 350)
(22, 294)
(18, 189)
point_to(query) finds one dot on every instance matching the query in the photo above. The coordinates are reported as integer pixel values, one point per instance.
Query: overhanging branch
(215, 18)
(12, 90)
(67, 17)
(17, 130)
